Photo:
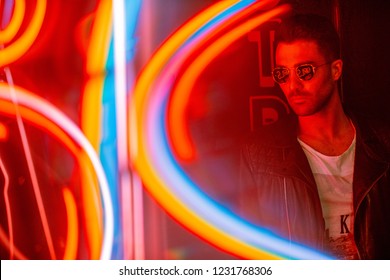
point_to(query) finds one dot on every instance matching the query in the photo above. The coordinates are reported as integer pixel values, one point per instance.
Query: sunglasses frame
(296, 71)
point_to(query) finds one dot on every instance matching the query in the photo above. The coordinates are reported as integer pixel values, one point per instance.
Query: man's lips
(298, 98)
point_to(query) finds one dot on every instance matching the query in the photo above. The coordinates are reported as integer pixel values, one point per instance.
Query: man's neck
(329, 133)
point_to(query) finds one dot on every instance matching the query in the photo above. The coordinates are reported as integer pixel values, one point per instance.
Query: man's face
(306, 97)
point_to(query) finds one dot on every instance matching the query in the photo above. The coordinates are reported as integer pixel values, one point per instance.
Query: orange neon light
(91, 110)
(96, 57)
(100, 38)
(3, 132)
(13, 26)
(176, 115)
(72, 234)
(97, 53)
(14, 51)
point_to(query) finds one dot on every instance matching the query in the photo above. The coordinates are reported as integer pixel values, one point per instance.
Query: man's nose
(294, 82)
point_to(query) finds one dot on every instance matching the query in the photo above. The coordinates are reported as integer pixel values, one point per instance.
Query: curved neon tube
(178, 131)
(44, 108)
(13, 26)
(178, 194)
(14, 51)
(90, 196)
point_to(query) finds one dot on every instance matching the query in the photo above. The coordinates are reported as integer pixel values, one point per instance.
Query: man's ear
(337, 69)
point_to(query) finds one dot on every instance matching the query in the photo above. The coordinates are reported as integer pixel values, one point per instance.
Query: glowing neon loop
(89, 192)
(14, 51)
(13, 26)
(178, 131)
(50, 128)
(57, 117)
(232, 233)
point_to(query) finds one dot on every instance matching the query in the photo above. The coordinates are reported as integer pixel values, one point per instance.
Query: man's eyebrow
(297, 64)
(305, 62)
(280, 66)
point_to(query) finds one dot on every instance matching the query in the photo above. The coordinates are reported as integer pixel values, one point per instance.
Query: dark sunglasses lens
(305, 72)
(280, 75)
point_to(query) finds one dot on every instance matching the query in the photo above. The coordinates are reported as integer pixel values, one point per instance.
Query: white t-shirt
(334, 178)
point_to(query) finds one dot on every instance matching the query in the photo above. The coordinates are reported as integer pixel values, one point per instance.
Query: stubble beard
(312, 105)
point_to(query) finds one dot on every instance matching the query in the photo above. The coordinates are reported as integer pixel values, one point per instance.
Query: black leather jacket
(278, 191)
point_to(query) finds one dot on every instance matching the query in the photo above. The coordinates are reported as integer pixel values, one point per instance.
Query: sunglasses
(304, 72)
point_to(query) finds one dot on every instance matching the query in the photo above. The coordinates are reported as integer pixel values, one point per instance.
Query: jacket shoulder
(267, 146)
(375, 132)
(277, 135)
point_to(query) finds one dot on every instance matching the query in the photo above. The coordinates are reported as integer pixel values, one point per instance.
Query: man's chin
(301, 112)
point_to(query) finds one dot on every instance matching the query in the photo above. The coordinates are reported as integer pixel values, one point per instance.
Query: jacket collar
(370, 160)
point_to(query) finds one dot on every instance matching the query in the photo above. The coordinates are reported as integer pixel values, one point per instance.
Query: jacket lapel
(369, 166)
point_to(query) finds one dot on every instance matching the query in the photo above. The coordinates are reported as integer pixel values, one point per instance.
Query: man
(320, 178)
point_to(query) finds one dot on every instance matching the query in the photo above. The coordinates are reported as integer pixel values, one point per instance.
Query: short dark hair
(311, 27)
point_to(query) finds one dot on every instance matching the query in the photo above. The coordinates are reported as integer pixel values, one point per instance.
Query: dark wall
(365, 42)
